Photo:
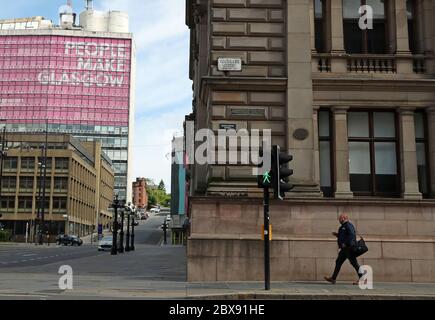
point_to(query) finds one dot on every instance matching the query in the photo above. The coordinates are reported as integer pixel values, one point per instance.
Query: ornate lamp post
(132, 228)
(128, 209)
(115, 206)
(121, 234)
(3, 154)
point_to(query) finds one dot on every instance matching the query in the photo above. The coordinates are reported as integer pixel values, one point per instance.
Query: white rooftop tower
(66, 16)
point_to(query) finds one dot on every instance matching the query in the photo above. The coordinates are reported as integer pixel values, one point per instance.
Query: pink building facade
(80, 82)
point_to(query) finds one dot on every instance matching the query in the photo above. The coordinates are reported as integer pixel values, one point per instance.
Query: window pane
(359, 155)
(325, 164)
(324, 124)
(422, 168)
(419, 125)
(376, 38)
(358, 124)
(359, 166)
(378, 8)
(352, 37)
(318, 7)
(319, 35)
(385, 158)
(386, 167)
(384, 125)
(410, 9)
(351, 9)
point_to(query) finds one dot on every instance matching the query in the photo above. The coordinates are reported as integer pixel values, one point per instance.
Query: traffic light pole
(266, 240)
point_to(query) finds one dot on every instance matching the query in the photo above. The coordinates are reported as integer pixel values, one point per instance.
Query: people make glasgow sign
(96, 64)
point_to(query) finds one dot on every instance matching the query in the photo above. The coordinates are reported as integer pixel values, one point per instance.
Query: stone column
(391, 20)
(408, 155)
(300, 100)
(341, 151)
(336, 35)
(430, 112)
(403, 55)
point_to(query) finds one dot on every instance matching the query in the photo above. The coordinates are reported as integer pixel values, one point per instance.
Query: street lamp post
(44, 167)
(115, 205)
(3, 154)
(165, 227)
(121, 245)
(127, 247)
(66, 231)
(132, 229)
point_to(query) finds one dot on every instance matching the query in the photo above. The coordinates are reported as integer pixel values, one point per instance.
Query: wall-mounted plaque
(228, 126)
(248, 112)
(300, 134)
(229, 64)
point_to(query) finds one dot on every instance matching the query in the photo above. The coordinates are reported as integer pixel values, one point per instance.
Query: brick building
(140, 196)
(365, 100)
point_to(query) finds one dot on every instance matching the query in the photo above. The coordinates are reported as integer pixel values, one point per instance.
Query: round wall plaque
(300, 134)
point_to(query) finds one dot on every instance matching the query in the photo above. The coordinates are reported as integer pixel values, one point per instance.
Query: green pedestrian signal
(266, 178)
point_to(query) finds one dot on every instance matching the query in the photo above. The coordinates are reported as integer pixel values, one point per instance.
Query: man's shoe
(356, 283)
(330, 280)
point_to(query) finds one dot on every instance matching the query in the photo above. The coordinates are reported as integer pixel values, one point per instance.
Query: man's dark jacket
(346, 235)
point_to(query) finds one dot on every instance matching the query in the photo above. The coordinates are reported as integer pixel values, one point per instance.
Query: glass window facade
(81, 85)
(325, 152)
(422, 153)
(373, 164)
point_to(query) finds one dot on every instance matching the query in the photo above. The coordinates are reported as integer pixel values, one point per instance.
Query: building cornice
(340, 84)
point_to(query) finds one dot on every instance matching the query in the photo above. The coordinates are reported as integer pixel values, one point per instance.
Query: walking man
(346, 238)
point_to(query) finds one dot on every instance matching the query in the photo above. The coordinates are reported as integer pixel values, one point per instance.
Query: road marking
(29, 255)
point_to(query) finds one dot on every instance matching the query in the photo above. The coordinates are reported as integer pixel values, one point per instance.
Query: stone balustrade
(368, 63)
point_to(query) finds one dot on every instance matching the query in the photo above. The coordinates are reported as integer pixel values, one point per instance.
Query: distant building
(78, 75)
(140, 197)
(179, 189)
(78, 187)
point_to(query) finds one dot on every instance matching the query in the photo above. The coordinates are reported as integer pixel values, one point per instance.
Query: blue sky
(163, 90)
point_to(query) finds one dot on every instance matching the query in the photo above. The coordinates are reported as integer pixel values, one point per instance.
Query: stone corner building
(367, 100)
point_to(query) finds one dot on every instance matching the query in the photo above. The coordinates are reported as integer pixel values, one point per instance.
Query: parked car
(69, 240)
(155, 210)
(135, 223)
(144, 216)
(61, 238)
(105, 243)
(168, 218)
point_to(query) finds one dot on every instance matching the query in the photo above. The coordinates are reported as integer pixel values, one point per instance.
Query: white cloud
(152, 145)
(162, 43)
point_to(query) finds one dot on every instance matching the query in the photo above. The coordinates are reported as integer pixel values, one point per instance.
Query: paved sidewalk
(45, 286)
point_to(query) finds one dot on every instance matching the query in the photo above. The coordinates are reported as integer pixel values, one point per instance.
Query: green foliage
(162, 186)
(5, 236)
(158, 196)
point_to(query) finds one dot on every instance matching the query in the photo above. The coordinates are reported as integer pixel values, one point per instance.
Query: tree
(162, 186)
(152, 200)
